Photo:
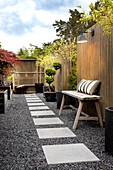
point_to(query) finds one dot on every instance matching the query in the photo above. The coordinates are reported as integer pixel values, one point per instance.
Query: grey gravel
(21, 149)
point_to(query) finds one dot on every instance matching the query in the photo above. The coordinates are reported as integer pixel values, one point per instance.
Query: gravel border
(21, 149)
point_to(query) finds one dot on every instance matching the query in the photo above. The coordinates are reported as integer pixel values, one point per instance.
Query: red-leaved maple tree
(8, 61)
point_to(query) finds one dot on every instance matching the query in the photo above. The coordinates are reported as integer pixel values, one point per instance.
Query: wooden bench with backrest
(87, 90)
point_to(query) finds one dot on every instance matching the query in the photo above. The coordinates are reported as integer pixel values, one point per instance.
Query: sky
(30, 21)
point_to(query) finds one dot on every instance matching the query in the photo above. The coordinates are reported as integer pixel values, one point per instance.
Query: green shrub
(49, 80)
(10, 78)
(73, 79)
(57, 65)
(50, 71)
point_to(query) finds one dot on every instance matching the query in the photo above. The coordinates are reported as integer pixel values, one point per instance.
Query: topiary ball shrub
(50, 71)
(57, 65)
(49, 80)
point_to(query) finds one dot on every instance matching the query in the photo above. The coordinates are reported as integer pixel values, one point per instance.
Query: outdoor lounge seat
(85, 92)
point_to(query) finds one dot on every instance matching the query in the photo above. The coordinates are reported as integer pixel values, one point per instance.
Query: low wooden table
(82, 98)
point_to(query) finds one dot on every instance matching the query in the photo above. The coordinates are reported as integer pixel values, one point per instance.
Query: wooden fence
(62, 75)
(28, 74)
(95, 61)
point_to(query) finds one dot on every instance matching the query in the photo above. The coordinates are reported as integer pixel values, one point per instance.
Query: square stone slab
(32, 98)
(34, 101)
(41, 113)
(68, 153)
(29, 95)
(39, 108)
(47, 121)
(35, 104)
(55, 133)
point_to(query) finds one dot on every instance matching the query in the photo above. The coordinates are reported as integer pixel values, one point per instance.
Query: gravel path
(21, 149)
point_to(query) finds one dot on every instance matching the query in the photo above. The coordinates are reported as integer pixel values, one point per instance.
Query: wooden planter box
(8, 90)
(3, 101)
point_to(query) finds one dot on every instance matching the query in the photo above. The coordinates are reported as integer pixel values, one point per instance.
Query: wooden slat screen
(95, 61)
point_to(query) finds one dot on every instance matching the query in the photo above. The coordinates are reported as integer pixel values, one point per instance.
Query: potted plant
(50, 96)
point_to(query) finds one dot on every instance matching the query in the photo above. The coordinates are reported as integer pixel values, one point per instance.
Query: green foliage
(50, 71)
(58, 50)
(49, 80)
(56, 65)
(103, 15)
(11, 78)
(73, 79)
(32, 52)
(66, 50)
(70, 29)
(47, 57)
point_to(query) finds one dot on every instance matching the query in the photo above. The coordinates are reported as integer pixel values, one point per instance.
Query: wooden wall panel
(29, 73)
(95, 61)
(61, 78)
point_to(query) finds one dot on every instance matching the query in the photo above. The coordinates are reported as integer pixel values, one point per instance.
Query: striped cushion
(93, 87)
(80, 85)
(88, 86)
(83, 86)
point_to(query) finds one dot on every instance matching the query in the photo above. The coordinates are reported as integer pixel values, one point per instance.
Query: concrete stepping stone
(32, 98)
(35, 104)
(34, 101)
(39, 108)
(30, 95)
(42, 113)
(47, 121)
(68, 153)
(55, 133)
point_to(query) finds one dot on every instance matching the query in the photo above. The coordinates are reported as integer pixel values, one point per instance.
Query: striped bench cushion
(89, 86)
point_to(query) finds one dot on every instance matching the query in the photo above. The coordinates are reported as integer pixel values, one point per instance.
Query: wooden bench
(82, 98)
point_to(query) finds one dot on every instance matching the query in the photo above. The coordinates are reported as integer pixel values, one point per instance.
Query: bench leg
(99, 113)
(62, 104)
(77, 115)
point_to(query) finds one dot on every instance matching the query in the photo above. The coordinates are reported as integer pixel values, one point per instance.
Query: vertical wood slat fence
(95, 61)
(28, 74)
(61, 78)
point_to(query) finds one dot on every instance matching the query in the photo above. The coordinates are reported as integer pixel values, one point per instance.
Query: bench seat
(82, 98)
